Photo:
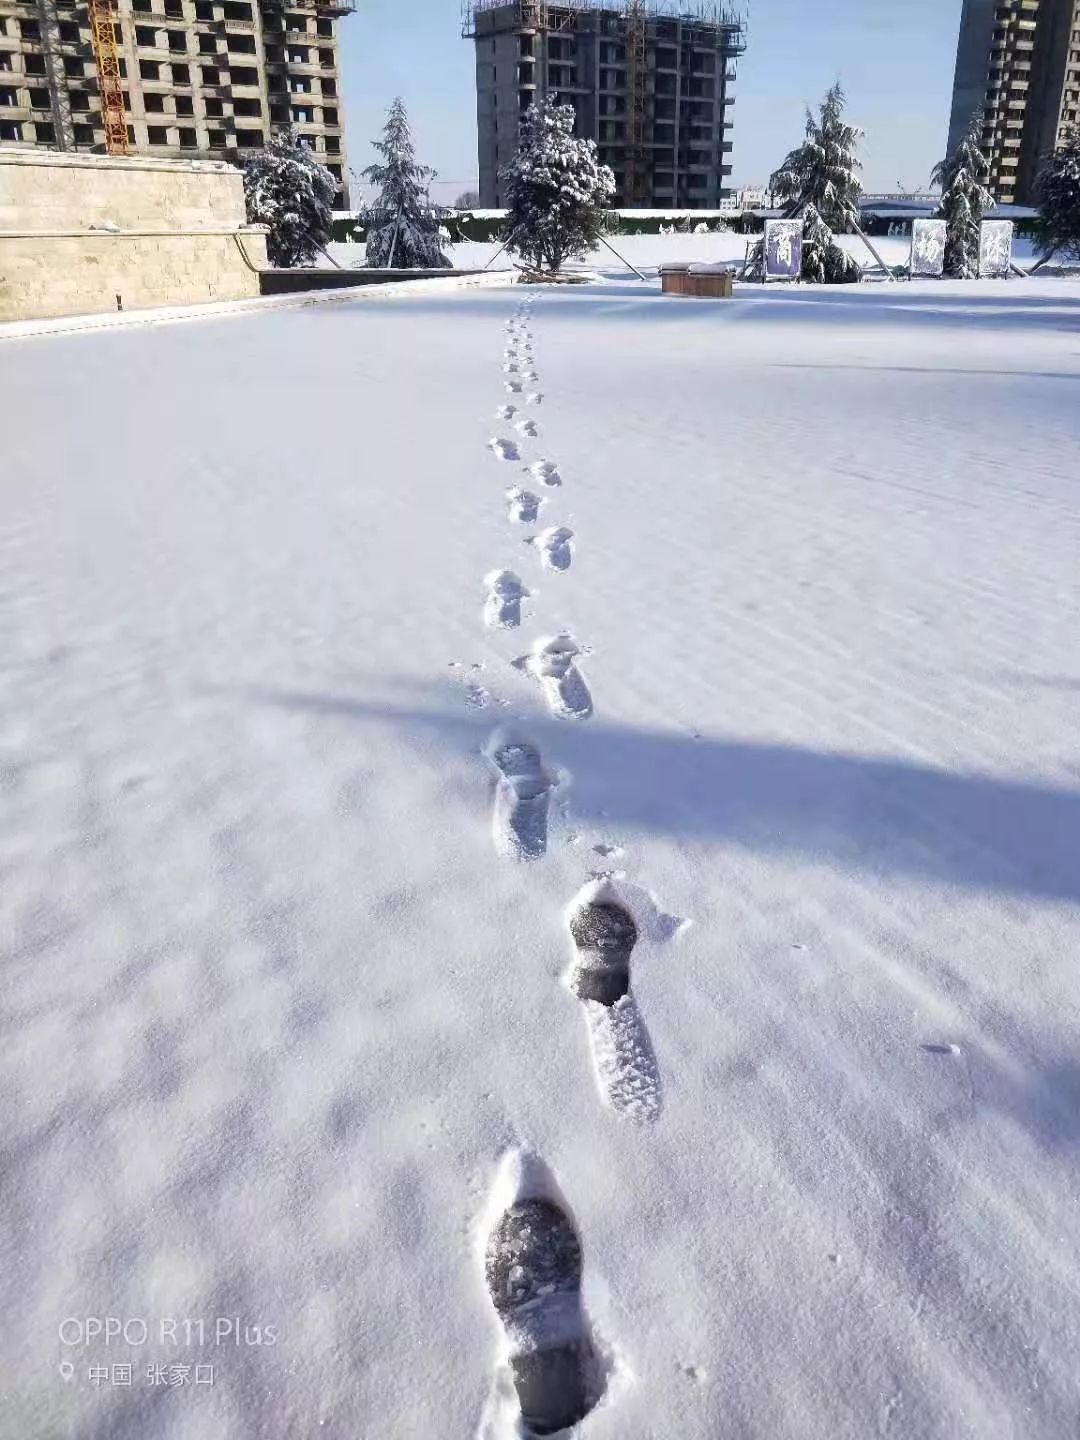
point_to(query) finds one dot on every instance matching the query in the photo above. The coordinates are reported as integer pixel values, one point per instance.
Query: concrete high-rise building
(202, 79)
(650, 81)
(1018, 63)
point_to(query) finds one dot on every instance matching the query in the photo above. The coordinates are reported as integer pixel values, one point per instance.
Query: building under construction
(198, 79)
(650, 81)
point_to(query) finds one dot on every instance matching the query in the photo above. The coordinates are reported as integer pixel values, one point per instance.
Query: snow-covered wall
(76, 231)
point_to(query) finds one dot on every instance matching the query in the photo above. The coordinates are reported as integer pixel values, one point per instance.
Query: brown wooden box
(704, 284)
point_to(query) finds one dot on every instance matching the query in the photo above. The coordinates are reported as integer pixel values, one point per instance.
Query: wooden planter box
(703, 284)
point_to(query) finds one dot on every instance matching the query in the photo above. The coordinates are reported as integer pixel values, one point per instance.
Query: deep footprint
(556, 547)
(527, 427)
(506, 412)
(523, 505)
(533, 1269)
(522, 797)
(536, 398)
(502, 608)
(552, 663)
(547, 472)
(513, 387)
(604, 934)
(504, 449)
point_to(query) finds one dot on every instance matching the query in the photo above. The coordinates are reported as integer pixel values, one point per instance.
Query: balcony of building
(323, 9)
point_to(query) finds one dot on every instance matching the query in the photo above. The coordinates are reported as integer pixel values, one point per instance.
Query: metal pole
(495, 256)
(1045, 260)
(623, 258)
(873, 252)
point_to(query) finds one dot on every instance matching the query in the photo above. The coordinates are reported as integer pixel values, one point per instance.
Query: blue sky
(895, 60)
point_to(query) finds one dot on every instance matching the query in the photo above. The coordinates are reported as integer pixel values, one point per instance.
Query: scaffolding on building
(565, 14)
(636, 77)
(59, 99)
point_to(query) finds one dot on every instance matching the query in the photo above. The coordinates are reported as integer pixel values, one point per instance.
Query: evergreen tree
(1059, 199)
(823, 261)
(818, 182)
(822, 171)
(403, 223)
(964, 201)
(288, 191)
(557, 190)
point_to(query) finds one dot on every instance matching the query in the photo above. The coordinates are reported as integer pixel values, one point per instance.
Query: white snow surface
(278, 1014)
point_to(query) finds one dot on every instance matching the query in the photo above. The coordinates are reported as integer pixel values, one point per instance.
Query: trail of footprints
(533, 1259)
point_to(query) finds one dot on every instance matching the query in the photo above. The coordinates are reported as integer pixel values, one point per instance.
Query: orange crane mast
(104, 23)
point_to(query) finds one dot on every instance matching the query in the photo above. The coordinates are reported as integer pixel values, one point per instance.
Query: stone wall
(76, 231)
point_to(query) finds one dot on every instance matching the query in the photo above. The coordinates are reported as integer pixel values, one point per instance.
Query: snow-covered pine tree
(964, 201)
(287, 190)
(557, 191)
(822, 171)
(819, 182)
(823, 261)
(403, 223)
(1059, 199)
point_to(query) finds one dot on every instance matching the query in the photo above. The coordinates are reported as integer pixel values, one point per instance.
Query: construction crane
(103, 26)
(636, 177)
(59, 99)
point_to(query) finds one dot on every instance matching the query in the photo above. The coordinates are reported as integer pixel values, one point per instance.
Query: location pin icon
(67, 1370)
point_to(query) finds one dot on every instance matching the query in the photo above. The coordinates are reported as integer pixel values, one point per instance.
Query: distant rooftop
(709, 12)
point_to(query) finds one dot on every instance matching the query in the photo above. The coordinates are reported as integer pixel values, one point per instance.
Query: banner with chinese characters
(783, 249)
(995, 249)
(928, 247)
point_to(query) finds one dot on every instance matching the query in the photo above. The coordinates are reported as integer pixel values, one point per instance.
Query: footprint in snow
(530, 375)
(522, 796)
(547, 472)
(604, 933)
(504, 449)
(524, 506)
(502, 608)
(511, 367)
(535, 398)
(533, 1273)
(552, 663)
(527, 427)
(506, 412)
(556, 547)
(513, 387)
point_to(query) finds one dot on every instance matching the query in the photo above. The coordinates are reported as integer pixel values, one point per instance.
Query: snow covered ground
(285, 1012)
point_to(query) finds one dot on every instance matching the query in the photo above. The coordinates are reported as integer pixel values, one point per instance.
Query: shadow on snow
(881, 816)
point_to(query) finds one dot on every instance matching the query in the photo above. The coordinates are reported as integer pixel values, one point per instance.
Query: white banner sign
(995, 249)
(783, 249)
(928, 247)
